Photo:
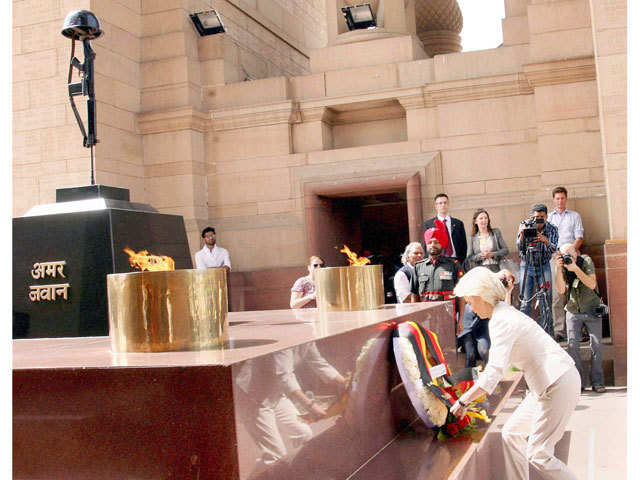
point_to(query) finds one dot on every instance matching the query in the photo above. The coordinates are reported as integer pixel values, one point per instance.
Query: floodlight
(207, 23)
(359, 16)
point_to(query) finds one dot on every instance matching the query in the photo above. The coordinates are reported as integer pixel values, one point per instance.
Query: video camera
(530, 230)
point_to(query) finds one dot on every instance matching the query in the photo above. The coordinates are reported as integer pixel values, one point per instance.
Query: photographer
(538, 238)
(576, 276)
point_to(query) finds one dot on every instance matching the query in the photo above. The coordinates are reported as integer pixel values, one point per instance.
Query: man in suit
(457, 247)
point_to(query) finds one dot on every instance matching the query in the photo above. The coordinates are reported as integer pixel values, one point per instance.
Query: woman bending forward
(530, 435)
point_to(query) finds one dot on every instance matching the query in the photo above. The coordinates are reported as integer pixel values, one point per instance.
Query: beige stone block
(126, 97)
(20, 95)
(260, 163)
(616, 104)
(112, 165)
(26, 191)
(370, 151)
(23, 12)
(171, 147)
(363, 79)
(42, 36)
(175, 190)
(308, 86)
(272, 11)
(171, 96)
(164, 72)
(241, 210)
(490, 115)
(36, 118)
(27, 147)
(615, 133)
(515, 31)
(59, 143)
(241, 188)
(610, 14)
(595, 221)
(111, 11)
(617, 201)
(513, 8)
(617, 161)
(487, 163)
(112, 64)
(166, 21)
(364, 54)
(212, 72)
(229, 12)
(264, 141)
(612, 73)
(561, 45)
(268, 90)
(418, 72)
(370, 133)
(16, 41)
(521, 184)
(117, 117)
(572, 125)
(168, 45)
(422, 123)
(566, 177)
(175, 168)
(254, 65)
(118, 143)
(120, 41)
(466, 188)
(153, 6)
(573, 150)
(611, 42)
(308, 137)
(286, 247)
(50, 91)
(554, 16)
(277, 206)
(30, 66)
(211, 47)
(480, 63)
(564, 101)
(596, 174)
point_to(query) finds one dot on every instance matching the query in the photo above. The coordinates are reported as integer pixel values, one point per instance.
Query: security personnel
(434, 278)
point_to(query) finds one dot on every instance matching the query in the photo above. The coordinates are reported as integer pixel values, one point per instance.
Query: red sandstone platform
(81, 411)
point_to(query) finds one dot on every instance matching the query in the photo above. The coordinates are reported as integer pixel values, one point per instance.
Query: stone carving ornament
(438, 26)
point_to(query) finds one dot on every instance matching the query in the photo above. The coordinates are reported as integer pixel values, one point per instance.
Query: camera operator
(576, 276)
(543, 243)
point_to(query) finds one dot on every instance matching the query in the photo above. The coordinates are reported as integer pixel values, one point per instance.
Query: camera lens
(567, 259)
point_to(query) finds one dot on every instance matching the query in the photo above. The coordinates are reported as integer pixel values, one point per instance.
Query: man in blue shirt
(536, 265)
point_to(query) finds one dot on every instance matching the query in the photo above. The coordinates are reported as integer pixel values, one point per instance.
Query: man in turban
(434, 278)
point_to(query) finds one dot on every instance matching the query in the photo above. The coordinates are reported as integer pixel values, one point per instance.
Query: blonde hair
(481, 282)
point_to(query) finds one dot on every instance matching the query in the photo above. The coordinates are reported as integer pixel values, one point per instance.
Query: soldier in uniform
(434, 278)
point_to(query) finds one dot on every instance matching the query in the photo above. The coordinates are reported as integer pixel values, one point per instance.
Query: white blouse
(518, 340)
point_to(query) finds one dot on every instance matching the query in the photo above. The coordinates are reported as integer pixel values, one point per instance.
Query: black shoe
(598, 388)
(560, 337)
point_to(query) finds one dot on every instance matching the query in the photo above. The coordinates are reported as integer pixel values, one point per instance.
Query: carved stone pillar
(438, 25)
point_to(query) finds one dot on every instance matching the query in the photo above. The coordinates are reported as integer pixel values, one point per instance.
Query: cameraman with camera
(536, 244)
(576, 275)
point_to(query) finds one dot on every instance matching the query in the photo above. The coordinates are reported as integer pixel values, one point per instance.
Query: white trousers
(543, 419)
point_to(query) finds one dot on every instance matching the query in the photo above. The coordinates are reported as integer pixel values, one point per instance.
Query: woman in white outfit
(550, 373)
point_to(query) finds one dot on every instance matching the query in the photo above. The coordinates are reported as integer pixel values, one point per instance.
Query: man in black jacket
(457, 248)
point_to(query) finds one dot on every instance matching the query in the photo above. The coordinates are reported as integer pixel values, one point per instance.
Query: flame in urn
(354, 260)
(145, 261)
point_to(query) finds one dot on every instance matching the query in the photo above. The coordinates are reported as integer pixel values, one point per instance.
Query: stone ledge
(560, 71)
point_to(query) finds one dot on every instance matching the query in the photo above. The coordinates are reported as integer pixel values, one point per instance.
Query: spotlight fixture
(207, 23)
(359, 16)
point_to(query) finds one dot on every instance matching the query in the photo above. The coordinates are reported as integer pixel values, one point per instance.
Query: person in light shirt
(212, 255)
(570, 230)
(534, 428)
(401, 281)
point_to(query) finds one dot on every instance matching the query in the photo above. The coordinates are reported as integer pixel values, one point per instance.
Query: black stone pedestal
(80, 241)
